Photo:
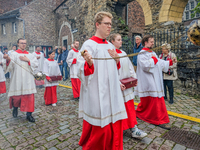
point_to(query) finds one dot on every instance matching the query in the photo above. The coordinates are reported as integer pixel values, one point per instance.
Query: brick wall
(136, 21)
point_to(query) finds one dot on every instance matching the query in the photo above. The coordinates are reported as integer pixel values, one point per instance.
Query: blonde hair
(166, 46)
(100, 15)
(113, 37)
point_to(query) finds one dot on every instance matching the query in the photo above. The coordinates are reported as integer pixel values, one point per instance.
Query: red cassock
(2, 87)
(25, 102)
(50, 95)
(152, 110)
(131, 121)
(109, 137)
(76, 86)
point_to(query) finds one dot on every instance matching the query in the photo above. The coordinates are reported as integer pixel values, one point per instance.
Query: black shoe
(64, 79)
(165, 98)
(30, 119)
(165, 126)
(15, 112)
(171, 101)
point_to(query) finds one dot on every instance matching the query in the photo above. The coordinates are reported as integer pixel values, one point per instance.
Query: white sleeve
(11, 65)
(146, 64)
(70, 58)
(131, 68)
(46, 68)
(85, 80)
(58, 69)
(34, 63)
(163, 64)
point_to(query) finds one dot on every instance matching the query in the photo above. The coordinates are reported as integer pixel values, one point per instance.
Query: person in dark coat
(137, 48)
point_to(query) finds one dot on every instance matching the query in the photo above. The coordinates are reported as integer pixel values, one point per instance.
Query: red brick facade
(136, 20)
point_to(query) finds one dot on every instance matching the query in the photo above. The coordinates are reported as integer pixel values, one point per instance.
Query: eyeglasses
(22, 43)
(106, 23)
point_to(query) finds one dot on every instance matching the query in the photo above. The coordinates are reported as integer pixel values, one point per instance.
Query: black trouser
(27, 113)
(169, 84)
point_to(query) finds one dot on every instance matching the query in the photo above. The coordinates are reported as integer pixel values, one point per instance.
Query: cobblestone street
(59, 127)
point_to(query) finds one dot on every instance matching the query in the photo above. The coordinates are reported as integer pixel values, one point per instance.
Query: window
(192, 13)
(14, 26)
(197, 15)
(186, 15)
(192, 5)
(187, 7)
(3, 29)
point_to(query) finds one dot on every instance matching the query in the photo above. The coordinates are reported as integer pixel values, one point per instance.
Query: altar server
(101, 102)
(22, 64)
(71, 61)
(2, 75)
(126, 71)
(51, 68)
(150, 89)
(40, 58)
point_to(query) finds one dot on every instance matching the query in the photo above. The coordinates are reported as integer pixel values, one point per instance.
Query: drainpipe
(23, 25)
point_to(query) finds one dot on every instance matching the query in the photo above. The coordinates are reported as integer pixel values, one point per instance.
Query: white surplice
(51, 68)
(22, 81)
(150, 78)
(10, 51)
(2, 75)
(126, 71)
(73, 67)
(40, 61)
(101, 101)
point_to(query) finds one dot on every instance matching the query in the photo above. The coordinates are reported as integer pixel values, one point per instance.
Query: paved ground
(59, 127)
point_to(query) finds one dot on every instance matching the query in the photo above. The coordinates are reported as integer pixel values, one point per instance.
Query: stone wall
(10, 38)
(40, 22)
(8, 5)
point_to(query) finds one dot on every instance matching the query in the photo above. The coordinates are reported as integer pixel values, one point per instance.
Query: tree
(196, 9)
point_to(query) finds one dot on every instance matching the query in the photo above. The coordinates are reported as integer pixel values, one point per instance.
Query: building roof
(10, 14)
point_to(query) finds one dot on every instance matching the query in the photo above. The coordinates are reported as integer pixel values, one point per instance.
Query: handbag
(170, 72)
(56, 78)
(129, 82)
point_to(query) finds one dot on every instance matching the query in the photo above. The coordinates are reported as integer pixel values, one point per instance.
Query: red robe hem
(109, 137)
(131, 121)
(76, 87)
(50, 95)
(2, 87)
(25, 102)
(152, 110)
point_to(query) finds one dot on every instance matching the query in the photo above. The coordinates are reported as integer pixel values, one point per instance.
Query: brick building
(9, 5)
(187, 18)
(34, 21)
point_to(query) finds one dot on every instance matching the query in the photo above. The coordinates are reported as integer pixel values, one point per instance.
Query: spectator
(65, 66)
(59, 59)
(137, 48)
(171, 74)
(5, 51)
(56, 52)
(13, 50)
(7, 75)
